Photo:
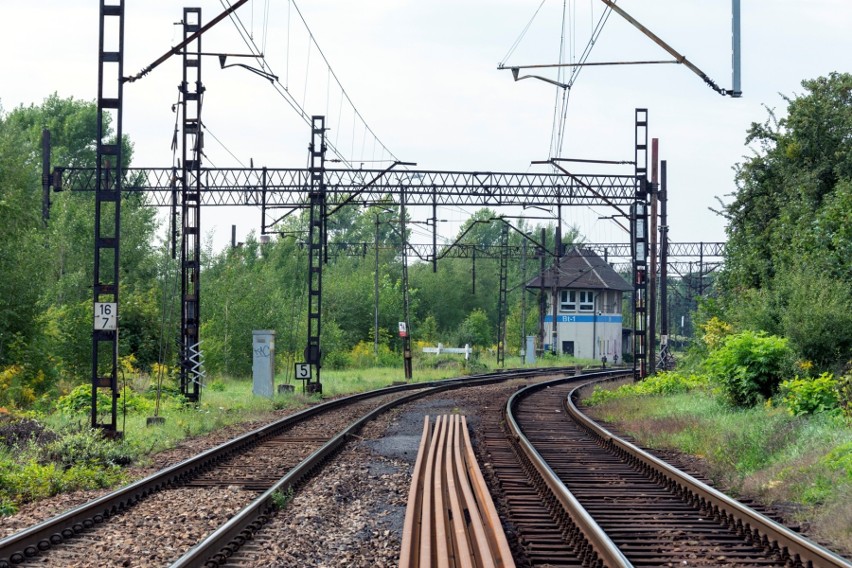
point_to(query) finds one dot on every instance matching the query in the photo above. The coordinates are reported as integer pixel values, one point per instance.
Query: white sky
(423, 75)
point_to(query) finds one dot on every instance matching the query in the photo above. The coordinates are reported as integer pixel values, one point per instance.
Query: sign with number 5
(303, 371)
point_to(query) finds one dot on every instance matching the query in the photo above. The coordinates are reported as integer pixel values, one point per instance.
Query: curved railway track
(596, 500)
(233, 487)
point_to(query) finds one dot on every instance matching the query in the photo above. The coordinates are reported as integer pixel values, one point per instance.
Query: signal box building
(584, 297)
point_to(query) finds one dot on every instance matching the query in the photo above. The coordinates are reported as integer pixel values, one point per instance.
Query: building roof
(581, 268)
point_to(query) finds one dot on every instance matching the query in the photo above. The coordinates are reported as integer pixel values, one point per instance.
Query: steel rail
(411, 526)
(219, 546)
(493, 526)
(28, 543)
(451, 520)
(605, 550)
(799, 548)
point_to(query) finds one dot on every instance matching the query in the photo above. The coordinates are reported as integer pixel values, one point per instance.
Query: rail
(28, 543)
(450, 520)
(600, 546)
(800, 550)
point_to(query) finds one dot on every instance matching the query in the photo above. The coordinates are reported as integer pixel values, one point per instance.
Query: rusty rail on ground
(450, 520)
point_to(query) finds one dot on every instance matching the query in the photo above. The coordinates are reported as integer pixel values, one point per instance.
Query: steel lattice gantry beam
(685, 250)
(289, 188)
(710, 251)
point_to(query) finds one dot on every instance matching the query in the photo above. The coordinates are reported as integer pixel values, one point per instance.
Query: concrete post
(263, 362)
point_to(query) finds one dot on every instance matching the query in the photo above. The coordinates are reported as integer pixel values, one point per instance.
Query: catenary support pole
(109, 168)
(652, 256)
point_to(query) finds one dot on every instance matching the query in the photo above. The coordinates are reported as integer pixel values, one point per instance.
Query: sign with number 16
(106, 316)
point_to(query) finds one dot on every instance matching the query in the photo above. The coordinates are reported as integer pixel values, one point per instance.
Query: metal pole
(376, 294)
(664, 252)
(652, 253)
(554, 289)
(523, 301)
(45, 176)
(473, 272)
(434, 231)
(542, 299)
(406, 340)
(558, 244)
(736, 88)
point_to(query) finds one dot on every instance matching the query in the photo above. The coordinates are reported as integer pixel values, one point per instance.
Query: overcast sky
(424, 77)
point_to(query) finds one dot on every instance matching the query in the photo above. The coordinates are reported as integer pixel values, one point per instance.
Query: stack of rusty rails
(450, 520)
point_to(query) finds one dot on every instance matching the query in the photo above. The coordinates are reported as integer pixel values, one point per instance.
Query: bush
(749, 366)
(475, 330)
(79, 401)
(817, 317)
(810, 395)
(86, 447)
(670, 382)
(33, 481)
(335, 360)
(844, 394)
(665, 383)
(18, 433)
(363, 356)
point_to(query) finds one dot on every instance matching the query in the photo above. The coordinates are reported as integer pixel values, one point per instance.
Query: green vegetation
(749, 366)
(765, 385)
(789, 260)
(776, 452)
(42, 454)
(281, 498)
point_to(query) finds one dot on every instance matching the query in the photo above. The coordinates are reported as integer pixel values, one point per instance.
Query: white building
(583, 296)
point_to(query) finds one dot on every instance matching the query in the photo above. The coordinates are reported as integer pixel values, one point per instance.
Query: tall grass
(803, 462)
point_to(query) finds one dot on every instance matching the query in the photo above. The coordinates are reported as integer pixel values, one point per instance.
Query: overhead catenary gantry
(281, 188)
(282, 191)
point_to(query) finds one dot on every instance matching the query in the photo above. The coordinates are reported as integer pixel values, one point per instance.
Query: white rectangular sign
(106, 316)
(303, 371)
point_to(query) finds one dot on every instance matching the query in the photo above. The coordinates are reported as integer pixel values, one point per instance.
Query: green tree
(475, 330)
(48, 271)
(789, 237)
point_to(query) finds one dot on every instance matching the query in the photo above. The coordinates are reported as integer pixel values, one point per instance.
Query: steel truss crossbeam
(683, 268)
(281, 187)
(684, 250)
(425, 251)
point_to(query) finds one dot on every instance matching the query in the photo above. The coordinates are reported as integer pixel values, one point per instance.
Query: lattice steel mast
(192, 92)
(108, 176)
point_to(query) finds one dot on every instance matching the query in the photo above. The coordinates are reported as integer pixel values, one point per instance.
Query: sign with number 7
(106, 316)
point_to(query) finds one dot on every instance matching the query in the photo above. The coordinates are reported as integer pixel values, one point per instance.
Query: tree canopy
(789, 237)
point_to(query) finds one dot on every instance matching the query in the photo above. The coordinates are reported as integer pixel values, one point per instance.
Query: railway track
(579, 496)
(231, 488)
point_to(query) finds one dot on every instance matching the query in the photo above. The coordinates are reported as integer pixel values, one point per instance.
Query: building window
(568, 301)
(587, 301)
